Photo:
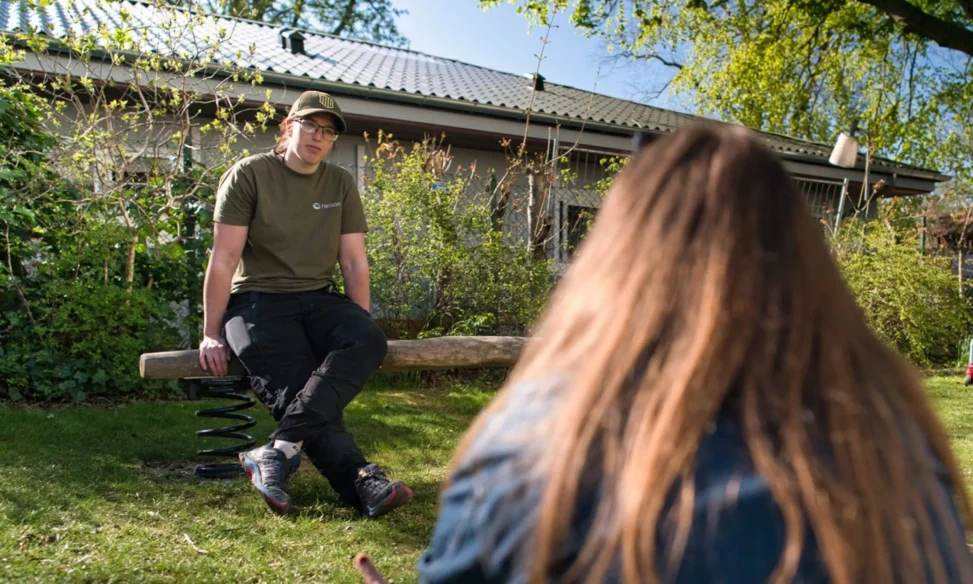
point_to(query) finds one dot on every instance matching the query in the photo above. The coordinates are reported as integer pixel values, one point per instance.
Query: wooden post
(406, 355)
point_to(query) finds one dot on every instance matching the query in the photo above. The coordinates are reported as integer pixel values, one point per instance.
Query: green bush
(105, 215)
(436, 258)
(86, 340)
(70, 325)
(910, 299)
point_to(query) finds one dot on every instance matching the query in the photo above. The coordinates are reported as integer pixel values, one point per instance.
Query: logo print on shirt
(319, 206)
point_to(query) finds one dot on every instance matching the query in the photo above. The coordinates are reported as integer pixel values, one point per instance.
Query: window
(133, 180)
(822, 196)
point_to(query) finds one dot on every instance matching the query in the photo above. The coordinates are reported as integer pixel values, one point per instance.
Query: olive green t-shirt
(296, 222)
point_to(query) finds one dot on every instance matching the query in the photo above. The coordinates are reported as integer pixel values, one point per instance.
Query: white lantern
(845, 152)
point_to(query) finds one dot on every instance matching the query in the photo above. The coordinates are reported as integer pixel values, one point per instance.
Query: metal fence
(823, 197)
(571, 211)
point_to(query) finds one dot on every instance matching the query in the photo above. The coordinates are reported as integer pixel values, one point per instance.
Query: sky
(499, 39)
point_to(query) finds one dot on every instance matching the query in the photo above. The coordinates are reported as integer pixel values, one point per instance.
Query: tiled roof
(356, 63)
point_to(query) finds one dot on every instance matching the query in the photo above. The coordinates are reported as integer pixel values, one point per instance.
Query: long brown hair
(705, 279)
(283, 135)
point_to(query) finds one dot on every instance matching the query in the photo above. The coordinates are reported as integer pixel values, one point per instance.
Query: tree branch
(946, 34)
(298, 9)
(651, 57)
(967, 6)
(14, 278)
(346, 18)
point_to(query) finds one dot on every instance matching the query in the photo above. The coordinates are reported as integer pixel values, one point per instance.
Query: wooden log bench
(403, 355)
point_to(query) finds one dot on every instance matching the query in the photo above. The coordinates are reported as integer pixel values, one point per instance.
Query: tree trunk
(538, 222)
(298, 11)
(130, 260)
(499, 211)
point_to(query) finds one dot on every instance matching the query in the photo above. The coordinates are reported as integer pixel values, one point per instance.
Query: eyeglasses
(309, 127)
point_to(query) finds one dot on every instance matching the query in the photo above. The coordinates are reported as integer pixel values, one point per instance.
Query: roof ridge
(319, 33)
(272, 25)
(460, 80)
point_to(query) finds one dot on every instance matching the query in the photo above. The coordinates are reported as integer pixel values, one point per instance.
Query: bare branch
(14, 278)
(631, 55)
(584, 119)
(537, 72)
(346, 18)
(944, 33)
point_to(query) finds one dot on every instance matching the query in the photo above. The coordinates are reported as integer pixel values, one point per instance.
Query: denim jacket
(488, 512)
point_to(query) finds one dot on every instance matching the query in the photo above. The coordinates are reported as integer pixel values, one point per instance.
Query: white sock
(290, 449)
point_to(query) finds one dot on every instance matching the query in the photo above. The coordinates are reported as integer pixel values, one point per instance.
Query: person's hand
(214, 355)
(368, 571)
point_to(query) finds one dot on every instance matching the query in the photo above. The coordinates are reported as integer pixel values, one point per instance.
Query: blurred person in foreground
(704, 402)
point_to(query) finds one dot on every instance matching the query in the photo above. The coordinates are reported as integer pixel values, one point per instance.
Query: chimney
(536, 81)
(292, 40)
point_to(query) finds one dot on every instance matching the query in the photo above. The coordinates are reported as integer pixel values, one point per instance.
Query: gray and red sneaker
(268, 469)
(378, 494)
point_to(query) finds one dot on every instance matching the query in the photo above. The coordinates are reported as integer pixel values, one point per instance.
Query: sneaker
(268, 469)
(378, 494)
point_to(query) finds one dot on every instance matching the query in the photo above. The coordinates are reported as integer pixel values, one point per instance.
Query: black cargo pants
(308, 354)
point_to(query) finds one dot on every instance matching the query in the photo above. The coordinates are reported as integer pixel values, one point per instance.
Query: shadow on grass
(108, 493)
(135, 462)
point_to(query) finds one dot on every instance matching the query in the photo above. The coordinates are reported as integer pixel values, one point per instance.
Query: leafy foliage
(105, 203)
(367, 20)
(69, 324)
(435, 254)
(910, 299)
(806, 68)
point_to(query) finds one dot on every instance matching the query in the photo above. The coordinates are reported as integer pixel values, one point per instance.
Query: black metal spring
(231, 389)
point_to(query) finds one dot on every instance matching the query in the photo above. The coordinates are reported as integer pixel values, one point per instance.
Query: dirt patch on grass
(182, 470)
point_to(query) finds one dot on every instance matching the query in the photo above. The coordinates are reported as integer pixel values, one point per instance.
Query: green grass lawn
(99, 494)
(954, 402)
(106, 494)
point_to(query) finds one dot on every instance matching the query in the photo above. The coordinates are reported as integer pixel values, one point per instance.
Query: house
(413, 95)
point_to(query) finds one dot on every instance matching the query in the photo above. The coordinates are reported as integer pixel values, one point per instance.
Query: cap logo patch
(326, 101)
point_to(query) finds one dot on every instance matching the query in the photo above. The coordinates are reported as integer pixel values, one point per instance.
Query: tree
(903, 69)
(368, 20)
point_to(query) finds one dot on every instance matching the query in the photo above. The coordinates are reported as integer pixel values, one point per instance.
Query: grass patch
(107, 494)
(954, 404)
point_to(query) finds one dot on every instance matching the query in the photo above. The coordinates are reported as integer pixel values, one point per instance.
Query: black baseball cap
(317, 102)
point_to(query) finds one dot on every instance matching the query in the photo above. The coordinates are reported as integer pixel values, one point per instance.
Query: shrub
(437, 259)
(70, 324)
(909, 299)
